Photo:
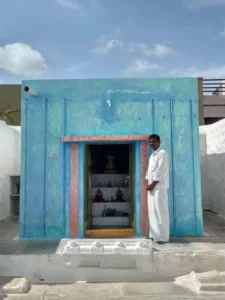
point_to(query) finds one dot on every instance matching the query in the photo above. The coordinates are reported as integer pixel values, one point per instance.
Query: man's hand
(150, 187)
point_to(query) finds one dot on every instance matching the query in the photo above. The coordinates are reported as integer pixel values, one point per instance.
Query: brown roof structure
(10, 103)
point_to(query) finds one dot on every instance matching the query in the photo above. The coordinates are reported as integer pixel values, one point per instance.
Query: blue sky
(42, 39)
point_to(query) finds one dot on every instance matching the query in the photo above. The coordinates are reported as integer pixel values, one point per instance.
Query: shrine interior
(110, 186)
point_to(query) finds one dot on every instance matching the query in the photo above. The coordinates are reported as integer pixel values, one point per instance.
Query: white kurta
(158, 212)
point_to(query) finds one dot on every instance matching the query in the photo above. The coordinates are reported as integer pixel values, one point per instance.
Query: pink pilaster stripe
(74, 191)
(144, 195)
(128, 137)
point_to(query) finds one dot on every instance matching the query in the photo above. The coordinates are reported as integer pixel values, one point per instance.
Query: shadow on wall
(215, 184)
(212, 154)
(204, 170)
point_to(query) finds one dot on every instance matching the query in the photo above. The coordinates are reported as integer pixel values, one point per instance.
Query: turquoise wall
(168, 107)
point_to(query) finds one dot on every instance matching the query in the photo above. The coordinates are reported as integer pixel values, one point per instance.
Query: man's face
(154, 144)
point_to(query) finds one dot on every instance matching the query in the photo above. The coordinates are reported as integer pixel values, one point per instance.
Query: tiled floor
(214, 230)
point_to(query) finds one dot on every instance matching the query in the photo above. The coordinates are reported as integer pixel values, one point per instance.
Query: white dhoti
(158, 213)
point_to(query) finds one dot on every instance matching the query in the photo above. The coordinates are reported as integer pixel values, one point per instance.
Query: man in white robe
(157, 185)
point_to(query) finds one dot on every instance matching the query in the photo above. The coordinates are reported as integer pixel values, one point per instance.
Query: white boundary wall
(10, 149)
(212, 153)
(212, 157)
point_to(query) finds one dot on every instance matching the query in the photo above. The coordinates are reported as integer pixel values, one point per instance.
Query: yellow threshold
(110, 233)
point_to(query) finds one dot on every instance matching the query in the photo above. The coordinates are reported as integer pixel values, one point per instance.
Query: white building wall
(212, 158)
(10, 148)
(212, 155)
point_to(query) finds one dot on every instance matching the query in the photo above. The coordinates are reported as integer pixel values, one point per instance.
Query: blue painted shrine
(73, 108)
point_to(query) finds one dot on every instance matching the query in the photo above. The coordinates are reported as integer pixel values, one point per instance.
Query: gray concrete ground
(214, 238)
(9, 228)
(214, 230)
(115, 291)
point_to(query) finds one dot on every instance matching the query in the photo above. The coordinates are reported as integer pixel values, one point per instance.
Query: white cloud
(104, 46)
(163, 50)
(193, 4)
(141, 66)
(86, 9)
(70, 4)
(211, 72)
(139, 47)
(222, 33)
(21, 59)
(157, 50)
(77, 67)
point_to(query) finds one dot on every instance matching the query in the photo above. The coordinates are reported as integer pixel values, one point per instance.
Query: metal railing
(214, 86)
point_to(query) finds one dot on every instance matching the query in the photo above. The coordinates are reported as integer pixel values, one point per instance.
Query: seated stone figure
(110, 167)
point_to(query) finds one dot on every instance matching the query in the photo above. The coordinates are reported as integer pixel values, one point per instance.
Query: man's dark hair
(154, 136)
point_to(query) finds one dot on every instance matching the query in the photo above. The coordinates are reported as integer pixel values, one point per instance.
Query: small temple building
(85, 153)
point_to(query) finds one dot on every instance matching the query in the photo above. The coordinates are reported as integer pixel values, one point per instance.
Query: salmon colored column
(74, 190)
(144, 195)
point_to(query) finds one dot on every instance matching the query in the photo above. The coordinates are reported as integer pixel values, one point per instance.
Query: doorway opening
(14, 195)
(109, 190)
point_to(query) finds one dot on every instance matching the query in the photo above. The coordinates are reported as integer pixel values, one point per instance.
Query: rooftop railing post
(200, 101)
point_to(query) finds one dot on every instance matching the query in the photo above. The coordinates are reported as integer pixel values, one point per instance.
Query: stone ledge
(101, 247)
(203, 283)
(17, 286)
(51, 247)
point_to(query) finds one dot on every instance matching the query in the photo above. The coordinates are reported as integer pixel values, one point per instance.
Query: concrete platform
(112, 291)
(114, 260)
(207, 283)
